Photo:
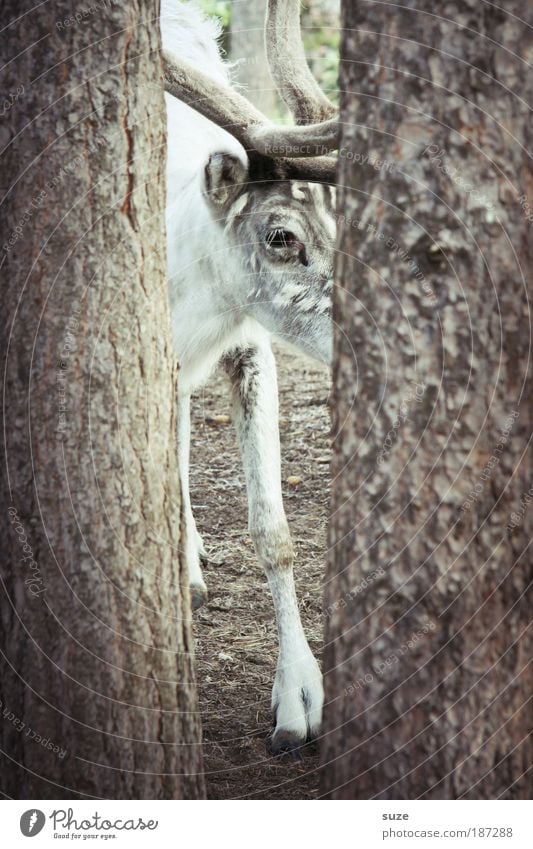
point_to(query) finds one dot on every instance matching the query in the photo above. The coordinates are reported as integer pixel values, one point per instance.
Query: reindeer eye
(279, 238)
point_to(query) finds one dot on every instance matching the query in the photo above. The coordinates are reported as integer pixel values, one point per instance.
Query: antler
(230, 110)
(297, 151)
(288, 65)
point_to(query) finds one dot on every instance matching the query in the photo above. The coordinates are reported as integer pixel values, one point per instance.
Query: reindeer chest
(202, 338)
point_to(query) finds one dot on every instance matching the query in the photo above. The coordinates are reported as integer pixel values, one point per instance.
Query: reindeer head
(276, 201)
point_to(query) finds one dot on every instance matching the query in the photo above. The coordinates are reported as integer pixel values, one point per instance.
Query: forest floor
(235, 633)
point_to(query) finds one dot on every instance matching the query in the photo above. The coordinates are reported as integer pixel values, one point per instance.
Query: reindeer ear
(224, 176)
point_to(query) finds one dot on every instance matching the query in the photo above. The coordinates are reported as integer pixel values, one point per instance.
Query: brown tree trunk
(96, 681)
(428, 676)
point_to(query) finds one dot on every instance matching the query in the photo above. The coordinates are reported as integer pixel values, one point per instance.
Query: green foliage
(220, 9)
(322, 51)
(320, 25)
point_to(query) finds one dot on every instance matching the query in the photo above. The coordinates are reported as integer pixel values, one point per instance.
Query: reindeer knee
(274, 546)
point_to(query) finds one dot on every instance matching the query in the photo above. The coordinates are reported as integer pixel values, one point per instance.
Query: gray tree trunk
(96, 683)
(248, 47)
(428, 675)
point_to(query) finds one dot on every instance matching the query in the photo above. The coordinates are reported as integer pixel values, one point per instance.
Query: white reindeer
(251, 233)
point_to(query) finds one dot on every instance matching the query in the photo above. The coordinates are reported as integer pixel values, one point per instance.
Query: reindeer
(251, 231)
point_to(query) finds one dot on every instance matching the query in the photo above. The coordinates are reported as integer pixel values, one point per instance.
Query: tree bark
(428, 676)
(96, 681)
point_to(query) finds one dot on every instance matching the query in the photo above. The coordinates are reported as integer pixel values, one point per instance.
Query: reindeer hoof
(198, 595)
(288, 744)
(297, 699)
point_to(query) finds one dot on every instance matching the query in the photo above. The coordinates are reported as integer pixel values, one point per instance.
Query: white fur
(204, 277)
(193, 37)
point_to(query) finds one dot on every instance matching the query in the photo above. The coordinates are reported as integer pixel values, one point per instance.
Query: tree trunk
(248, 48)
(427, 676)
(96, 681)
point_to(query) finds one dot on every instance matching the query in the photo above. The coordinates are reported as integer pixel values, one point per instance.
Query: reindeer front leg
(192, 541)
(297, 695)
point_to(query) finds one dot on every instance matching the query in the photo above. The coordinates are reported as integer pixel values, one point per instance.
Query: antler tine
(288, 65)
(241, 119)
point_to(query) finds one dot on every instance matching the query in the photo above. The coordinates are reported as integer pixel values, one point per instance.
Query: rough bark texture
(96, 681)
(427, 648)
